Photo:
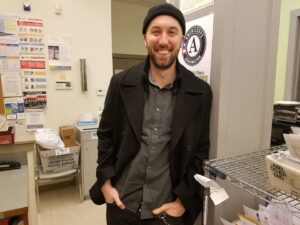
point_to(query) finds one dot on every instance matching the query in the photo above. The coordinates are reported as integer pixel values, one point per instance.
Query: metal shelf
(249, 173)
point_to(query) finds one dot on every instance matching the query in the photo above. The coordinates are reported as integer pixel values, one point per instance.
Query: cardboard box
(58, 160)
(67, 134)
(284, 174)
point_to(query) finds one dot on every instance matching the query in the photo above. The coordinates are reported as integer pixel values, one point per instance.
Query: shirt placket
(155, 108)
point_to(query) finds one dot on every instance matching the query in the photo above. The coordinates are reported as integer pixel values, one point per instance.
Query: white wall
(127, 23)
(89, 25)
(242, 80)
(243, 75)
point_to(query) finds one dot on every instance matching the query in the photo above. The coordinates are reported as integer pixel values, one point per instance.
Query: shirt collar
(151, 81)
(173, 85)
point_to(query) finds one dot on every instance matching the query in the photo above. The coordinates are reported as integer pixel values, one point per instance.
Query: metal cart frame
(249, 173)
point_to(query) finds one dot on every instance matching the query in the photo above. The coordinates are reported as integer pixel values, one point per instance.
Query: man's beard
(160, 64)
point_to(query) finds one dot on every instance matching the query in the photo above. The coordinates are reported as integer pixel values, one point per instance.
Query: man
(154, 133)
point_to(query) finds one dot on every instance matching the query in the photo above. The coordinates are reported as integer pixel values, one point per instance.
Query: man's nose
(164, 39)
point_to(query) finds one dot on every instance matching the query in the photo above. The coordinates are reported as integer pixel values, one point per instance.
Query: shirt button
(149, 167)
(155, 129)
(157, 109)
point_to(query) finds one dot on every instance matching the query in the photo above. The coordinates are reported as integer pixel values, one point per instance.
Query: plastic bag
(48, 139)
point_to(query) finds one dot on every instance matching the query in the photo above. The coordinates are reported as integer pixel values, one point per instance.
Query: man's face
(163, 40)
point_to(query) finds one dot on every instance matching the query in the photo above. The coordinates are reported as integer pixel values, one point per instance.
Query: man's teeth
(163, 51)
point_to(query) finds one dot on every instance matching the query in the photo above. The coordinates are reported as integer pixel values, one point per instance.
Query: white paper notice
(35, 118)
(9, 54)
(8, 25)
(59, 52)
(11, 84)
(62, 151)
(217, 194)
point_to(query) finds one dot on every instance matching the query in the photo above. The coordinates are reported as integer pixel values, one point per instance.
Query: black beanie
(164, 9)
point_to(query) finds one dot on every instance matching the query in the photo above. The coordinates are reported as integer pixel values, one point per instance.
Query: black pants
(117, 216)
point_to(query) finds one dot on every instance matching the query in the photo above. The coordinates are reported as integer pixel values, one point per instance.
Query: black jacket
(120, 130)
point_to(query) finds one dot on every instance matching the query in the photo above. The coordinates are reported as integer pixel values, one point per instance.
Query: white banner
(195, 53)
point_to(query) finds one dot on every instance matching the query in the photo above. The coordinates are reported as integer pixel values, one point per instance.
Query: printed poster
(195, 53)
(35, 99)
(8, 25)
(59, 52)
(14, 108)
(33, 80)
(32, 61)
(31, 34)
(9, 53)
(11, 84)
(35, 119)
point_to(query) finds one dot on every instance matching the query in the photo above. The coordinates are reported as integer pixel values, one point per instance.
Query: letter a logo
(194, 45)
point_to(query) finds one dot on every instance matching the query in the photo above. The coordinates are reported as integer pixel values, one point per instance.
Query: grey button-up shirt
(145, 184)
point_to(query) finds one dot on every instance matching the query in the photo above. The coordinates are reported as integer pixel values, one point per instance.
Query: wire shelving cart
(248, 172)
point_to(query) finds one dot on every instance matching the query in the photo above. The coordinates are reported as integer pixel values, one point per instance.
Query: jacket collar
(188, 99)
(139, 74)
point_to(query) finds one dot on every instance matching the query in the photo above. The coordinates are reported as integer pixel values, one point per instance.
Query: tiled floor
(62, 206)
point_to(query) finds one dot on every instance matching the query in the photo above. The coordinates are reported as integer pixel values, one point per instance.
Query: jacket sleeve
(188, 190)
(105, 133)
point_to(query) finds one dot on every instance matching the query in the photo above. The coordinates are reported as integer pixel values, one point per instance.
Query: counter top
(26, 138)
(23, 188)
(12, 182)
(23, 143)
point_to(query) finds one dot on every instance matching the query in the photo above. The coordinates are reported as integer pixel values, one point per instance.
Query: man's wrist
(106, 185)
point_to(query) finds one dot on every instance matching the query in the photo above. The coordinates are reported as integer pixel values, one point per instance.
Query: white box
(284, 174)
(58, 160)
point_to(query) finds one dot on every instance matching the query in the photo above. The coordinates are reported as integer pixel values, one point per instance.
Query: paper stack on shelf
(284, 174)
(250, 217)
(284, 167)
(269, 215)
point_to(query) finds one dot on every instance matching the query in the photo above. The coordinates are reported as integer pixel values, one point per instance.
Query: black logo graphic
(194, 45)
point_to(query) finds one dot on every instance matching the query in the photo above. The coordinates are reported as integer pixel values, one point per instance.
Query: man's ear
(145, 40)
(182, 40)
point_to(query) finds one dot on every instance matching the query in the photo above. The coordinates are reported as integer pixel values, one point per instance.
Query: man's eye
(155, 32)
(172, 33)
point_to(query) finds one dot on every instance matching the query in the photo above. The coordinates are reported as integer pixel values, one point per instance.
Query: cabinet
(17, 195)
(87, 137)
(249, 173)
(14, 194)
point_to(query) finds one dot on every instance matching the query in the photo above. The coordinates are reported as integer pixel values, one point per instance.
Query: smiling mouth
(163, 52)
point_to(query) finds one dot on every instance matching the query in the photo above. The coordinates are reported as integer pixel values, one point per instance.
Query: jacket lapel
(132, 92)
(188, 101)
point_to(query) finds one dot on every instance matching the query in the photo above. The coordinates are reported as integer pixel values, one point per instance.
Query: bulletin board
(23, 80)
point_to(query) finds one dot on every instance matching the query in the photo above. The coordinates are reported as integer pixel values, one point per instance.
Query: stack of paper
(269, 215)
